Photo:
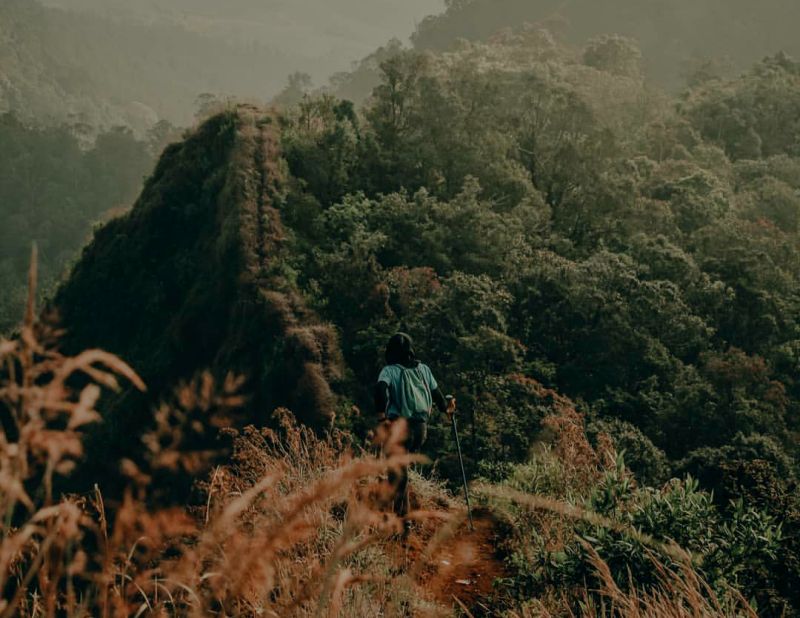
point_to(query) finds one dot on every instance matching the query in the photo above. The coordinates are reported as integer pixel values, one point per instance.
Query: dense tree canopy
(550, 228)
(535, 214)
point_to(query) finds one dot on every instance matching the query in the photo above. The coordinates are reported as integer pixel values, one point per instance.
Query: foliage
(293, 524)
(560, 239)
(52, 190)
(635, 266)
(673, 35)
(647, 462)
(565, 525)
(108, 63)
(753, 116)
(540, 220)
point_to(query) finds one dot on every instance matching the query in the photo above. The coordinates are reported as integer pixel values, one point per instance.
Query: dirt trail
(462, 567)
(466, 566)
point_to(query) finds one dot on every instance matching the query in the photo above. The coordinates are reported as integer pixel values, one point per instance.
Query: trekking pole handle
(451, 404)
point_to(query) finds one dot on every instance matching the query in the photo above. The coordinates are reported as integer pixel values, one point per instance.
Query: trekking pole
(451, 402)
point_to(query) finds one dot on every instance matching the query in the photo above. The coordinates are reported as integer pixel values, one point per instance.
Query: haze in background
(332, 33)
(106, 62)
(677, 38)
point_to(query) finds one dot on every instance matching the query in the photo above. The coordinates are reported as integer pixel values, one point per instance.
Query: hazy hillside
(127, 65)
(563, 241)
(60, 65)
(53, 188)
(604, 271)
(676, 37)
(335, 32)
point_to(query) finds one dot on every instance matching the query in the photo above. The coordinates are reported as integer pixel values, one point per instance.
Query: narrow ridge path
(464, 566)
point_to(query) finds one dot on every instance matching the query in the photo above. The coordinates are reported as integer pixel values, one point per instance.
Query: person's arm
(439, 400)
(381, 400)
(436, 393)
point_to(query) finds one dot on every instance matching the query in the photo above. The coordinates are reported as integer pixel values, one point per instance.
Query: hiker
(407, 390)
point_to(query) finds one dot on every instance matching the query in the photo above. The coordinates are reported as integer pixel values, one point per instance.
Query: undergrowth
(297, 524)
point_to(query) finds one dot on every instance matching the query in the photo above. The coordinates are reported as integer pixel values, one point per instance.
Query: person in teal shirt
(407, 390)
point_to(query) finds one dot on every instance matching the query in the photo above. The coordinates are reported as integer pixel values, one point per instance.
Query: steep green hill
(546, 225)
(193, 278)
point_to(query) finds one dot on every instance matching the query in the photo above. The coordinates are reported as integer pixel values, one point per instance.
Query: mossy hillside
(190, 279)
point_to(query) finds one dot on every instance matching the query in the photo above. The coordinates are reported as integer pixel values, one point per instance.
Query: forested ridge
(636, 251)
(106, 63)
(63, 66)
(200, 257)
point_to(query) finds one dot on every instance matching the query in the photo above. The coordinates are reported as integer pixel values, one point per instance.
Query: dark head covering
(400, 351)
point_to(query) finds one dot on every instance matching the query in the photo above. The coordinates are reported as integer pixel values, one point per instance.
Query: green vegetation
(571, 505)
(537, 217)
(66, 66)
(568, 246)
(193, 276)
(108, 62)
(522, 212)
(52, 190)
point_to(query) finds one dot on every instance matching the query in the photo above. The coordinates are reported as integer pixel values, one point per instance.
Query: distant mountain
(676, 36)
(334, 32)
(62, 65)
(114, 62)
(192, 278)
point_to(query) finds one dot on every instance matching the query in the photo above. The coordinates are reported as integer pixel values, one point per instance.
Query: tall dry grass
(42, 555)
(292, 527)
(295, 525)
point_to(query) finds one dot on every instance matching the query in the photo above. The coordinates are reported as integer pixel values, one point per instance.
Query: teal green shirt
(391, 376)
